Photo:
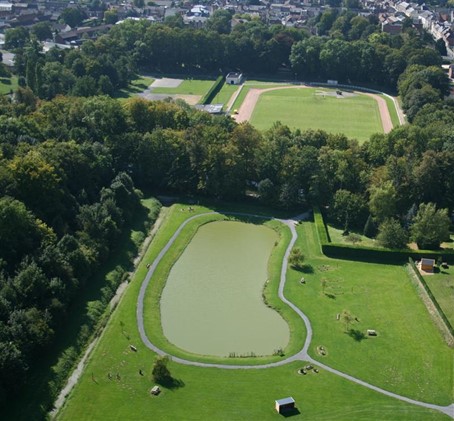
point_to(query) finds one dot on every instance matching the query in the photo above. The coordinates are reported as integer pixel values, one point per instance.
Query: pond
(212, 303)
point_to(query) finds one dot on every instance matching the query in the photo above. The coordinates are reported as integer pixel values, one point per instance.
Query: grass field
(442, 286)
(187, 87)
(253, 85)
(357, 117)
(224, 95)
(8, 84)
(135, 87)
(336, 237)
(408, 355)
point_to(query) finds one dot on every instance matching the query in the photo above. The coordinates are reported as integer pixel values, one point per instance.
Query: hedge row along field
(370, 254)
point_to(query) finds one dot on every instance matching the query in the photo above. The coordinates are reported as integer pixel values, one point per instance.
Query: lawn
(135, 87)
(224, 95)
(335, 234)
(253, 84)
(441, 285)
(357, 117)
(408, 355)
(187, 87)
(8, 84)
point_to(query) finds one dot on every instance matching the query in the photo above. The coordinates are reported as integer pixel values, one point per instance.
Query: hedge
(429, 293)
(213, 91)
(371, 254)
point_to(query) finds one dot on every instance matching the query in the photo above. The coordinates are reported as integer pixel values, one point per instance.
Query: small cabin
(427, 265)
(284, 405)
(234, 78)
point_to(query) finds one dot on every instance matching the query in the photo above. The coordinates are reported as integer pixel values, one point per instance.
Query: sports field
(357, 116)
(408, 356)
(187, 87)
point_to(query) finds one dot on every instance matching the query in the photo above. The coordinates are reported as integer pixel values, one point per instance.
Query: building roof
(234, 75)
(425, 261)
(285, 401)
(210, 108)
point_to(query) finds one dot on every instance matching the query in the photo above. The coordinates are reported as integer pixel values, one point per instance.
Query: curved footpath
(301, 355)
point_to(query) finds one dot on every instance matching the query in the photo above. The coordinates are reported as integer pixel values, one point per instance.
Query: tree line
(351, 49)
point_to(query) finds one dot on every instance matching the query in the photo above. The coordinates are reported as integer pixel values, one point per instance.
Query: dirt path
(249, 103)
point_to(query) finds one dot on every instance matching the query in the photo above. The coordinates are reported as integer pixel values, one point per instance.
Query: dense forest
(69, 164)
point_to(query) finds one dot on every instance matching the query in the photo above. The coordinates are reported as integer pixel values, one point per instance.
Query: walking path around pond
(301, 355)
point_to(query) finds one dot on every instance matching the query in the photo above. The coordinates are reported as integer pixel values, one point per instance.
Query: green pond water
(212, 303)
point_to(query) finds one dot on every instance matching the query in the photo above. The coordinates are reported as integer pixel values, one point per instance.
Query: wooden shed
(427, 265)
(284, 405)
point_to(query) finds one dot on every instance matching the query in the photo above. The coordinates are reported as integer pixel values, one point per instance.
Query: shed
(284, 405)
(427, 265)
(234, 78)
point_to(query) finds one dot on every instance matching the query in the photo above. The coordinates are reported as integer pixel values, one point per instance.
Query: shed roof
(285, 401)
(425, 261)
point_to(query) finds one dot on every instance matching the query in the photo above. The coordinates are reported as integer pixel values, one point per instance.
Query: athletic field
(353, 114)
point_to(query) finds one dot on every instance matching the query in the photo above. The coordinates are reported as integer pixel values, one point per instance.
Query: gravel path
(249, 103)
(301, 355)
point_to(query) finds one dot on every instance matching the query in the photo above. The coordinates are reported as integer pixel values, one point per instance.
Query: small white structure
(284, 405)
(371, 332)
(234, 78)
(155, 390)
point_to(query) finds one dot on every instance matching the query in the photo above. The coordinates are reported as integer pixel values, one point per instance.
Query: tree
(220, 21)
(347, 318)
(430, 226)
(42, 31)
(296, 258)
(382, 202)
(369, 227)
(110, 17)
(16, 38)
(392, 235)
(160, 373)
(72, 16)
(348, 208)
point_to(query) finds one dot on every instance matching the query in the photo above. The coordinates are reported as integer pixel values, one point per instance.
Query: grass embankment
(357, 116)
(392, 110)
(407, 356)
(441, 285)
(43, 378)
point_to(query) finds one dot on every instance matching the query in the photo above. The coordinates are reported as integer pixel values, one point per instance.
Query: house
(285, 405)
(234, 78)
(427, 265)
